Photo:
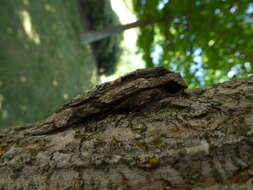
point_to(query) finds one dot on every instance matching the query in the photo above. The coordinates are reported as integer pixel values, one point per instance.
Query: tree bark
(143, 131)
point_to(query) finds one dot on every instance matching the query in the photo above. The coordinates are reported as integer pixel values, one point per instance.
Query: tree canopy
(208, 41)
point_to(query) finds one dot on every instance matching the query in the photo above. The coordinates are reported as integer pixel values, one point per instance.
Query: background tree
(98, 15)
(42, 59)
(204, 40)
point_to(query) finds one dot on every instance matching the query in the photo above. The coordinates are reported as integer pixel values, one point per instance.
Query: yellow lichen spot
(153, 162)
(2, 152)
(148, 162)
(55, 83)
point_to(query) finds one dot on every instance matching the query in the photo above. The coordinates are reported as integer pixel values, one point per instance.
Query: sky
(125, 17)
(129, 42)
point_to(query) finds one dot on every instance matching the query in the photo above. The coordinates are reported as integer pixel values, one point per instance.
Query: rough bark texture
(140, 132)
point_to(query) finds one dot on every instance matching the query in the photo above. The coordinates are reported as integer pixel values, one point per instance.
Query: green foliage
(100, 15)
(205, 40)
(42, 63)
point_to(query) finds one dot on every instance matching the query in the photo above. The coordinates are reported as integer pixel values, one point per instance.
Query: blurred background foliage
(208, 41)
(42, 62)
(98, 15)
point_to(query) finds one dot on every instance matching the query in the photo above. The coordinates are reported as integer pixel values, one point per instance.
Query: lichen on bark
(144, 131)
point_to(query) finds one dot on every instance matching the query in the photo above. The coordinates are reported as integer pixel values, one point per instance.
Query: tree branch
(93, 36)
(151, 134)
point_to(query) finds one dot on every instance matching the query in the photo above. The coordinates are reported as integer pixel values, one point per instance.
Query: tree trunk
(143, 131)
(93, 36)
